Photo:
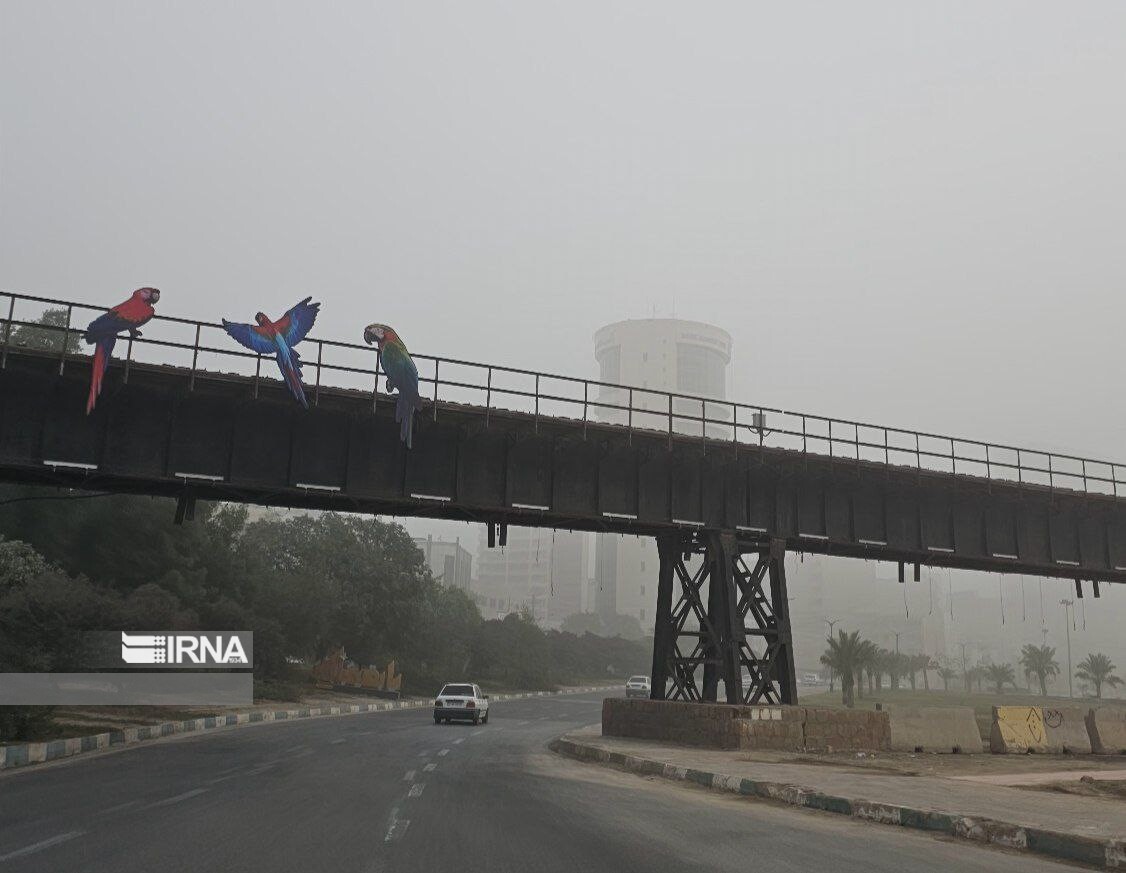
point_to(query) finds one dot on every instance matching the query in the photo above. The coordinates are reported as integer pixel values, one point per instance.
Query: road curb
(1093, 851)
(29, 754)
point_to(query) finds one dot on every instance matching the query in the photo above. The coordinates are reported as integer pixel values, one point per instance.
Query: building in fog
(539, 570)
(659, 354)
(449, 562)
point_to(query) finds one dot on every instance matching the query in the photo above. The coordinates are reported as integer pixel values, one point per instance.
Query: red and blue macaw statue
(402, 374)
(280, 339)
(102, 334)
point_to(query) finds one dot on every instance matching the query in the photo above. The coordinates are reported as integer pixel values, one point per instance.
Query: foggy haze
(905, 215)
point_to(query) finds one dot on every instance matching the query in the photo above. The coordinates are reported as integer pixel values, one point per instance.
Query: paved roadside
(25, 754)
(1087, 830)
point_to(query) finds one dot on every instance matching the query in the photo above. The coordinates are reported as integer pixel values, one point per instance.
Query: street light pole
(1067, 604)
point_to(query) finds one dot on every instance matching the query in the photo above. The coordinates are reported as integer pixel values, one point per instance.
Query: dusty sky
(903, 212)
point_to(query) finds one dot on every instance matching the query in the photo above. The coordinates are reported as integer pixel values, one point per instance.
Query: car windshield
(641, 679)
(456, 691)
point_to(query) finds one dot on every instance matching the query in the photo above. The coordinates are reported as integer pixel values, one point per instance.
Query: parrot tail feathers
(98, 371)
(405, 409)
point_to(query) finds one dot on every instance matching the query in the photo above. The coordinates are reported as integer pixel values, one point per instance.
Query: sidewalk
(1088, 830)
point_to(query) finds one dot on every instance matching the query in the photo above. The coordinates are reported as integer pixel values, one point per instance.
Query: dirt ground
(1086, 787)
(924, 764)
(982, 704)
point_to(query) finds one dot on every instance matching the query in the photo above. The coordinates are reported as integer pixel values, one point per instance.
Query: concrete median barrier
(1017, 730)
(942, 729)
(1051, 730)
(1065, 729)
(1106, 726)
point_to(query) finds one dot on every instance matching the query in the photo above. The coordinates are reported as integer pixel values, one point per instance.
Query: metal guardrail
(641, 409)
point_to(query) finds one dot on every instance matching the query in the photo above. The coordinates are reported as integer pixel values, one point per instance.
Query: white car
(461, 702)
(638, 686)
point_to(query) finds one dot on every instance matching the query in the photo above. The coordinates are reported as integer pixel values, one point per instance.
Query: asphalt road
(395, 792)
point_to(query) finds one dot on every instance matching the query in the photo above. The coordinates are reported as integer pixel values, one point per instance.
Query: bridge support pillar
(739, 635)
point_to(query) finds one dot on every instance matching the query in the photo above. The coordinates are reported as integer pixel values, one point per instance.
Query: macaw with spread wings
(280, 338)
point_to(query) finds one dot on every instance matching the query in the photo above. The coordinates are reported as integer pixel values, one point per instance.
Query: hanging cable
(1023, 609)
(1042, 602)
(551, 566)
(1001, 597)
(930, 590)
(905, 609)
(1083, 607)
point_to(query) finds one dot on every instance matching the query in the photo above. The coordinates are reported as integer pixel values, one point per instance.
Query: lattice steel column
(766, 651)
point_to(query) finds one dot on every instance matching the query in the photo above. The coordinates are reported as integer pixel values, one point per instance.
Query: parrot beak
(155, 295)
(368, 338)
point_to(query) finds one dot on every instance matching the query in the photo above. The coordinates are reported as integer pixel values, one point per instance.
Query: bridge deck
(172, 430)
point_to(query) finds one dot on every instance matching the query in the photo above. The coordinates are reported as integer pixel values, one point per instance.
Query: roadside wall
(943, 729)
(721, 726)
(1106, 726)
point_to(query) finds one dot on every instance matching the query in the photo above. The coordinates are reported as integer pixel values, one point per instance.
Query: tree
(1098, 670)
(1039, 661)
(49, 338)
(1000, 675)
(844, 655)
(947, 674)
(925, 663)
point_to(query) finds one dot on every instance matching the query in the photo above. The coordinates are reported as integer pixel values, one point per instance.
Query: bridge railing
(204, 351)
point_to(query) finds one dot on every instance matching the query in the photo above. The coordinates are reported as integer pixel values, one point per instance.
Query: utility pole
(897, 633)
(965, 672)
(1067, 604)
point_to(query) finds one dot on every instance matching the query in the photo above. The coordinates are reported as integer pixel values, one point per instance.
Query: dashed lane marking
(121, 807)
(443, 753)
(408, 776)
(423, 754)
(416, 789)
(429, 768)
(177, 798)
(459, 740)
(41, 845)
(338, 740)
(396, 826)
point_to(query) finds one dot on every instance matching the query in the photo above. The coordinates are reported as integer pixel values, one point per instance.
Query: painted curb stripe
(1094, 851)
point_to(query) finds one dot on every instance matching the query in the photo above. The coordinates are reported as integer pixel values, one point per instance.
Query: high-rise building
(660, 354)
(450, 563)
(540, 570)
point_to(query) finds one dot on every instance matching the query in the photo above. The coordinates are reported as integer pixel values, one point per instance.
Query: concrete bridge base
(719, 726)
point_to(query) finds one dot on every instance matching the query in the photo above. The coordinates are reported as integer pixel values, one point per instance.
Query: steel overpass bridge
(725, 488)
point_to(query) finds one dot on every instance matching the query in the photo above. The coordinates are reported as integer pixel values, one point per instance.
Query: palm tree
(867, 655)
(844, 656)
(947, 674)
(926, 663)
(1039, 661)
(1097, 669)
(1000, 675)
